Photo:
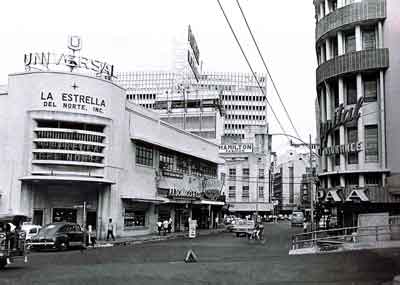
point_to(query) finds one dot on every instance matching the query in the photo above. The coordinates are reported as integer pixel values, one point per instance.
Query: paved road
(223, 259)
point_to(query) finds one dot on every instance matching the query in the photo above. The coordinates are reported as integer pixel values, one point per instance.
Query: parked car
(30, 230)
(243, 227)
(290, 217)
(297, 218)
(60, 236)
(280, 217)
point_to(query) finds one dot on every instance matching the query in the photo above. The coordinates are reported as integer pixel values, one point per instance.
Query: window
(369, 39)
(261, 192)
(246, 173)
(373, 179)
(232, 173)
(144, 154)
(350, 42)
(166, 161)
(182, 164)
(232, 192)
(134, 218)
(351, 91)
(352, 179)
(245, 192)
(370, 88)
(261, 173)
(334, 47)
(352, 137)
(371, 143)
(337, 142)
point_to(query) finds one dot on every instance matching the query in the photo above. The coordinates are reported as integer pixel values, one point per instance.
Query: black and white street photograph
(200, 142)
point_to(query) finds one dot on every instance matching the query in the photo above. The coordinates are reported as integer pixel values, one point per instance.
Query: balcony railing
(352, 62)
(353, 13)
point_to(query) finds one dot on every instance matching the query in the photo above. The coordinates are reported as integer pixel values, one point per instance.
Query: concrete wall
(391, 29)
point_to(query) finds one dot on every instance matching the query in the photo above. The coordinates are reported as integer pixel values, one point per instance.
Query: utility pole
(311, 188)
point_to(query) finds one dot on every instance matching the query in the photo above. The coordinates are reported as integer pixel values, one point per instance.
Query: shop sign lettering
(183, 193)
(72, 101)
(236, 148)
(342, 149)
(337, 195)
(341, 117)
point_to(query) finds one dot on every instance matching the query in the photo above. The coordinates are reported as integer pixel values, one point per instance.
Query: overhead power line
(248, 63)
(265, 65)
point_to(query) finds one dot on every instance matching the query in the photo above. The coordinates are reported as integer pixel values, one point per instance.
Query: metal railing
(326, 238)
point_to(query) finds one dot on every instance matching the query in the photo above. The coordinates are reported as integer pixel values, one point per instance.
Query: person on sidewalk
(305, 225)
(169, 225)
(165, 226)
(159, 226)
(110, 229)
(216, 222)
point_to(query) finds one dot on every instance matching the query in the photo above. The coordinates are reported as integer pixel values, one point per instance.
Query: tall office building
(358, 55)
(238, 94)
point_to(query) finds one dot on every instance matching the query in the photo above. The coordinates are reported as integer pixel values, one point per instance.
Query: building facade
(245, 170)
(357, 50)
(71, 141)
(243, 101)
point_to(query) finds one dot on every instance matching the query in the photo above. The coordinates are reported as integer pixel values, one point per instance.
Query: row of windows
(372, 179)
(245, 172)
(243, 98)
(141, 96)
(60, 135)
(69, 146)
(69, 125)
(174, 161)
(239, 127)
(331, 5)
(243, 107)
(371, 144)
(245, 117)
(245, 192)
(67, 157)
(368, 40)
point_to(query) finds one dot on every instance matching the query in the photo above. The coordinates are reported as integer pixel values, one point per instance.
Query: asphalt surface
(223, 259)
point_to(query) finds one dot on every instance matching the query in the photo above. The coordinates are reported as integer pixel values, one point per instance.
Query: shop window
(144, 154)
(245, 192)
(371, 143)
(351, 90)
(352, 137)
(373, 179)
(134, 218)
(232, 192)
(370, 88)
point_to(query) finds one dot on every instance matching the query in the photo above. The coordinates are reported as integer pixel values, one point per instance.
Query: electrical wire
(252, 71)
(265, 65)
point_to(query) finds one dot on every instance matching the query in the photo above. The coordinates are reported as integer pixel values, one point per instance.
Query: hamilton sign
(40, 60)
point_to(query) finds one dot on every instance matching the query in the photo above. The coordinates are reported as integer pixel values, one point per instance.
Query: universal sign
(236, 148)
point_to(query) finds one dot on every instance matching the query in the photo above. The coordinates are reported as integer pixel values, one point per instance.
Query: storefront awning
(143, 200)
(209, 202)
(50, 178)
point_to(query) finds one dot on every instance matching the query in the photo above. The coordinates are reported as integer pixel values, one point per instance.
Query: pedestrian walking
(169, 225)
(165, 226)
(216, 222)
(159, 226)
(305, 226)
(110, 229)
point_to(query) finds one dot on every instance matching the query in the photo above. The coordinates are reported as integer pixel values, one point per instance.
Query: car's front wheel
(62, 245)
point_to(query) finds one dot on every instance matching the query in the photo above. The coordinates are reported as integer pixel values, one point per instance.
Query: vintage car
(12, 239)
(30, 230)
(243, 227)
(60, 236)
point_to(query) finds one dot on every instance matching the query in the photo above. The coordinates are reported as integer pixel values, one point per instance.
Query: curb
(156, 239)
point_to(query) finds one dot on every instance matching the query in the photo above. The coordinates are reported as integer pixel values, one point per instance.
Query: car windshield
(49, 229)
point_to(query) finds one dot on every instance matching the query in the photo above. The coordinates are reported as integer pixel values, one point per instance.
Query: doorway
(37, 217)
(91, 219)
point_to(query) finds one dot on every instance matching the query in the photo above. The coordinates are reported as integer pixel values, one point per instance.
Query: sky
(138, 35)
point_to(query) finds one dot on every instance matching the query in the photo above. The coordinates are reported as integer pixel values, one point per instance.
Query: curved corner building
(357, 80)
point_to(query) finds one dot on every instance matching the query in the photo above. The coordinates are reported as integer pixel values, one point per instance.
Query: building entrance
(64, 215)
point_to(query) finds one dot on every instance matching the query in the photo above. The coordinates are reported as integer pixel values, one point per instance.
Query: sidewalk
(123, 241)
